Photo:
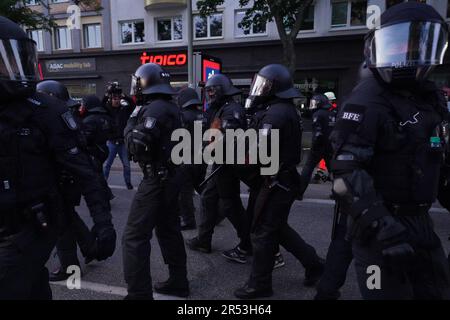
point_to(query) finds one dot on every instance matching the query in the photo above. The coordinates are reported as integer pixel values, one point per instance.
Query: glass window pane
(358, 12)
(40, 40)
(258, 25)
(240, 30)
(308, 18)
(37, 36)
(200, 26)
(215, 24)
(126, 32)
(63, 40)
(164, 29)
(177, 28)
(92, 36)
(339, 14)
(98, 35)
(139, 34)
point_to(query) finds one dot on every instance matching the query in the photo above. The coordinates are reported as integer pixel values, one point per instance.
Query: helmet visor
(261, 87)
(18, 60)
(408, 44)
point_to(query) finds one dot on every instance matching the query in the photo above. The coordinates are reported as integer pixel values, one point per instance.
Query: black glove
(393, 238)
(105, 240)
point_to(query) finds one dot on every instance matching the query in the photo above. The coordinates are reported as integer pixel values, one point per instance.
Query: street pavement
(210, 275)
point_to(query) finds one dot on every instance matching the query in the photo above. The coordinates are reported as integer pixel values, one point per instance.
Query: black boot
(313, 275)
(324, 296)
(187, 223)
(198, 245)
(59, 274)
(247, 292)
(173, 287)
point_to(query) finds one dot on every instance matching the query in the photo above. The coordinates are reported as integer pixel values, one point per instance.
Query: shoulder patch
(149, 122)
(351, 117)
(69, 120)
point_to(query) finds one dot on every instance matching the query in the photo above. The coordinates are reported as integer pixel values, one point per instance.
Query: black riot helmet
(188, 97)
(18, 62)
(273, 80)
(58, 90)
(411, 41)
(91, 104)
(218, 88)
(319, 101)
(151, 79)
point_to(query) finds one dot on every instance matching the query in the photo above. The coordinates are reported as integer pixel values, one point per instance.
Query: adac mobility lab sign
(70, 65)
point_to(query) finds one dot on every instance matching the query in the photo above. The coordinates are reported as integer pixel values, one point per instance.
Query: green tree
(18, 12)
(289, 17)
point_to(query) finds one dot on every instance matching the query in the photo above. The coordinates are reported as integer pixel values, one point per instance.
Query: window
(92, 35)
(79, 90)
(63, 38)
(254, 29)
(31, 2)
(169, 29)
(348, 13)
(209, 27)
(390, 3)
(37, 36)
(132, 32)
(308, 18)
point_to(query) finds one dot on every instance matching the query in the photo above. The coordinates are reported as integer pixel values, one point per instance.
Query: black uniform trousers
(424, 276)
(312, 161)
(271, 229)
(185, 200)
(23, 275)
(212, 201)
(339, 258)
(154, 207)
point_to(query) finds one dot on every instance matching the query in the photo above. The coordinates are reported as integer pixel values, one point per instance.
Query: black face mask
(214, 96)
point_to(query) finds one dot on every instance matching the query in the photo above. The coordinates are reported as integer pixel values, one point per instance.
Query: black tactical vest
(407, 158)
(26, 173)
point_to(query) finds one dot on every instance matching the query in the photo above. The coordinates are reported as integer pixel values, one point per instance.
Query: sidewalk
(117, 166)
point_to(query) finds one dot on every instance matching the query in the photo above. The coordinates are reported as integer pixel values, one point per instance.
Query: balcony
(164, 4)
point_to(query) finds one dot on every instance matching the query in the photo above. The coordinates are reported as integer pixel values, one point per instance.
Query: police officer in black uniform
(73, 229)
(148, 140)
(223, 113)
(388, 152)
(191, 114)
(38, 136)
(271, 94)
(97, 129)
(323, 120)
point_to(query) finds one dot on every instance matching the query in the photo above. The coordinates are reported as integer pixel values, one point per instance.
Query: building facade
(111, 43)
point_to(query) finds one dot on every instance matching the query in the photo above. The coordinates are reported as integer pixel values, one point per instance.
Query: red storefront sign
(179, 59)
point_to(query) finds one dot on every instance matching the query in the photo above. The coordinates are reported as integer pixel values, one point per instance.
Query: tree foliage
(289, 16)
(17, 11)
